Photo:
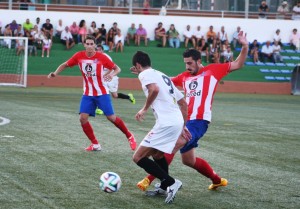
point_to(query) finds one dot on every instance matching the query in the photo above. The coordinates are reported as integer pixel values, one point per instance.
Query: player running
(95, 93)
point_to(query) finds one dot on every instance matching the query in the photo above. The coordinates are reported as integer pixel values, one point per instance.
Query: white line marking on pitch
(4, 121)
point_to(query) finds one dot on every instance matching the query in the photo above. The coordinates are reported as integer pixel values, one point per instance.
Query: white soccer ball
(110, 182)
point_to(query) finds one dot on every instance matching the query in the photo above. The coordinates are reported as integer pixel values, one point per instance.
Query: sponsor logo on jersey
(194, 93)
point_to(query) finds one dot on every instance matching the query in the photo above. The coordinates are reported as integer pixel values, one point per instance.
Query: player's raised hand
(134, 70)
(242, 38)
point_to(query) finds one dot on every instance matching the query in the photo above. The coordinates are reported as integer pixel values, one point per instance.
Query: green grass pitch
(253, 141)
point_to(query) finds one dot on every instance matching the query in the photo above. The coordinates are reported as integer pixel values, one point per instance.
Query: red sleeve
(106, 62)
(177, 80)
(220, 70)
(73, 60)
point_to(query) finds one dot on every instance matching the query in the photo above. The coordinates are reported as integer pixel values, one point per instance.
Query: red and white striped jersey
(92, 71)
(200, 89)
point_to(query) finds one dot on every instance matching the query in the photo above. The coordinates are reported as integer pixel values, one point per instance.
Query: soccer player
(199, 84)
(95, 92)
(166, 102)
(113, 85)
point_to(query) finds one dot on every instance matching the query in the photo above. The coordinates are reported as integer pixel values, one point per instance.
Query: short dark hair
(142, 58)
(90, 37)
(195, 54)
(100, 46)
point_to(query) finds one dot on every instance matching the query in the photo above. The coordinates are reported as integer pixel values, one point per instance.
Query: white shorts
(163, 138)
(113, 84)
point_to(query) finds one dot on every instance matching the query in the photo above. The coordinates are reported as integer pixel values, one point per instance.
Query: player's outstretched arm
(240, 60)
(58, 70)
(115, 71)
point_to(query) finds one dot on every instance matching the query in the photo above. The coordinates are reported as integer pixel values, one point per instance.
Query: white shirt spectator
(199, 34)
(66, 35)
(119, 38)
(277, 37)
(267, 50)
(296, 12)
(188, 34)
(276, 49)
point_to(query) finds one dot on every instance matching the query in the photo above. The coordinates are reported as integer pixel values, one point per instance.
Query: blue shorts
(197, 128)
(89, 104)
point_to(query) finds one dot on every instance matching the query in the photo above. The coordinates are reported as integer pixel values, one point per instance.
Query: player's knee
(188, 162)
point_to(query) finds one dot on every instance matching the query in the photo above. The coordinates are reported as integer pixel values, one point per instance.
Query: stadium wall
(260, 29)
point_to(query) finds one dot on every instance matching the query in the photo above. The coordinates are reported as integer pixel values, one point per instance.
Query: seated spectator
(203, 49)
(115, 28)
(119, 41)
(141, 33)
(173, 37)
(102, 32)
(110, 39)
(31, 43)
(296, 11)
(27, 26)
(295, 40)
(214, 52)
(20, 45)
(276, 52)
(160, 34)
(131, 34)
(19, 30)
(74, 29)
(235, 37)
(277, 37)
(7, 32)
(47, 27)
(227, 55)
(13, 27)
(93, 29)
(66, 38)
(254, 51)
(263, 10)
(222, 35)
(283, 10)
(267, 52)
(198, 35)
(59, 28)
(211, 35)
(188, 36)
(82, 31)
(38, 23)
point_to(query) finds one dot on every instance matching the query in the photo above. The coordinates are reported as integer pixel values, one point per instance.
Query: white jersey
(114, 83)
(165, 107)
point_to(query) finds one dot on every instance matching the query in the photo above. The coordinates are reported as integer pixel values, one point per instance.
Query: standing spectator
(119, 41)
(188, 36)
(27, 26)
(198, 35)
(203, 49)
(102, 33)
(31, 44)
(131, 34)
(296, 11)
(295, 40)
(267, 52)
(59, 28)
(146, 7)
(211, 35)
(47, 42)
(141, 33)
(74, 29)
(235, 37)
(263, 10)
(254, 51)
(283, 10)
(173, 36)
(82, 31)
(48, 28)
(66, 38)
(110, 39)
(160, 34)
(276, 52)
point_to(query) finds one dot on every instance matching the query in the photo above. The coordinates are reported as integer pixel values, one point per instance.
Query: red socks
(205, 169)
(88, 130)
(119, 123)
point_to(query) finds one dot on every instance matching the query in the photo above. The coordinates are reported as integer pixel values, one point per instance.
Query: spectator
(214, 52)
(203, 49)
(19, 30)
(38, 37)
(20, 45)
(93, 29)
(173, 37)
(263, 10)
(198, 35)
(102, 32)
(82, 31)
(66, 38)
(267, 52)
(59, 28)
(110, 39)
(282, 10)
(235, 37)
(295, 39)
(47, 42)
(38, 23)
(254, 51)
(31, 43)
(160, 34)
(146, 7)
(27, 26)
(188, 37)
(115, 28)
(227, 55)
(276, 52)
(24, 4)
(141, 33)
(0, 28)
(222, 35)
(7, 32)
(296, 11)
(277, 37)
(74, 30)
(13, 27)
(131, 34)
(210, 35)
(119, 41)
(47, 27)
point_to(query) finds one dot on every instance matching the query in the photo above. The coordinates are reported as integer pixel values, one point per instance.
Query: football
(110, 182)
